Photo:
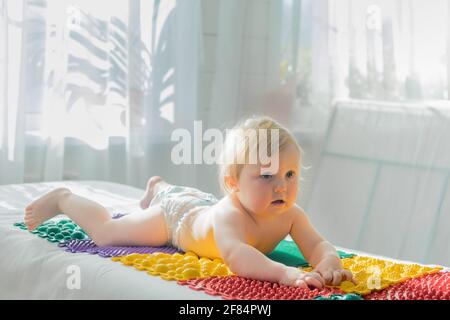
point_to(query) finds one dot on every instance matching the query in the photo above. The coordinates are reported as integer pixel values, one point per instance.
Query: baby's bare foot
(154, 185)
(44, 208)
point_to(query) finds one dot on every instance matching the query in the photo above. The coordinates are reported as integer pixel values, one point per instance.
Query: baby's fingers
(347, 275)
(337, 278)
(313, 282)
(317, 276)
(301, 284)
(327, 277)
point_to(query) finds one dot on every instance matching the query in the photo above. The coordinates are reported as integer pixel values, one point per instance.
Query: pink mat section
(430, 287)
(239, 288)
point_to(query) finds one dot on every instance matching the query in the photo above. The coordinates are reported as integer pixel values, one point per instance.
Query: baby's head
(261, 187)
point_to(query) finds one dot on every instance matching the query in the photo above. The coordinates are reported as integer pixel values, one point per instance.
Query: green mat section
(61, 231)
(350, 296)
(288, 253)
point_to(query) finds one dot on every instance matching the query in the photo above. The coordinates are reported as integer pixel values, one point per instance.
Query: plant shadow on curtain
(101, 87)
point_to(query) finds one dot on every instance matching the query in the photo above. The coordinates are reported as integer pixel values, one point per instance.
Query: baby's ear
(231, 183)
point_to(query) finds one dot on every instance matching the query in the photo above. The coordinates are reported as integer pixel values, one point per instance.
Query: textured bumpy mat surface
(90, 247)
(175, 266)
(377, 279)
(239, 288)
(371, 274)
(430, 287)
(374, 274)
(60, 232)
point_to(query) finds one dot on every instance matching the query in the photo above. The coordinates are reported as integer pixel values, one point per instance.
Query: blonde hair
(235, 148)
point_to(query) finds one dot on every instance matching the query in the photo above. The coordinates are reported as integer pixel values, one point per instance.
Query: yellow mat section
(371, 274)
(374, 274)
(175, 266)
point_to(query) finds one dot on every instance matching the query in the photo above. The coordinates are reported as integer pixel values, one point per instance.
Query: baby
(256, 213)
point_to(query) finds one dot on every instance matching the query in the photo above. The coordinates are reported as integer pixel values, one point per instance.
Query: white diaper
(176, 202)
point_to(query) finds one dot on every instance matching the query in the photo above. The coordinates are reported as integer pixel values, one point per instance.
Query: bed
(33, 268)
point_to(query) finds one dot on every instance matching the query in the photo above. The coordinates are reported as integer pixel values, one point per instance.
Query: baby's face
(262, 192)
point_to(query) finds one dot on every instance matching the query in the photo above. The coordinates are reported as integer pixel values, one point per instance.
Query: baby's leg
(147, 227)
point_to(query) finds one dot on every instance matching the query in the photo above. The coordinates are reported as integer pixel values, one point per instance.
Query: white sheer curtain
(93, 89)
(11, 105)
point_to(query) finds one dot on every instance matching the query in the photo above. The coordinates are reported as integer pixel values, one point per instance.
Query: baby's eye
(266, 176)
(290, 174)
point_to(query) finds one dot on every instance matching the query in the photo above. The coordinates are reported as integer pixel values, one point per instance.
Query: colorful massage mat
(377, 279)
(239, 288)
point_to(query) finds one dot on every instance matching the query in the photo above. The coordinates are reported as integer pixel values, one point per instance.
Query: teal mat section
(350, 296)
(61, 231)
(288, 253)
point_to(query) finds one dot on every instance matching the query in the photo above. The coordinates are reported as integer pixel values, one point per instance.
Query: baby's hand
(297, 278)
(331, 270)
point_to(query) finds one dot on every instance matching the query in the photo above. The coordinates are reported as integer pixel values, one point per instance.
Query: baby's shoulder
(224, 210)
(225, 207)
(295, 211)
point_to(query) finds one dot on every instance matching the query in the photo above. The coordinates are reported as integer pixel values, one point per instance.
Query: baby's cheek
(254, 198)
(264, 199)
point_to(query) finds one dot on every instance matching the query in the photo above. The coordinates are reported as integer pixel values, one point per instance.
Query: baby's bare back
(263, 234)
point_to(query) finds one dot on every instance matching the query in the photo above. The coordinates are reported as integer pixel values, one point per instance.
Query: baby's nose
(280, 188)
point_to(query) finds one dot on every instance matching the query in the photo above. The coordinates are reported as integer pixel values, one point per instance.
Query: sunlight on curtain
(385, 50)
(15, 13)
(393, 50)
(85, 72)
(101, 89)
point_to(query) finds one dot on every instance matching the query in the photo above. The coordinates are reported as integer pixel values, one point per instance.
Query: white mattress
(33, 268)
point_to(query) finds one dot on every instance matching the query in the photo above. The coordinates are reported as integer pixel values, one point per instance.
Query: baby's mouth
(278, 202)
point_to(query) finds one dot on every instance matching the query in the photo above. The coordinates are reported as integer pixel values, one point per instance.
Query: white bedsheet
(33, 268)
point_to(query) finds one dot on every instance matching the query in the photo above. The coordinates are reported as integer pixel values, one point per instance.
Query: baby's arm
(246, 261)
(318, 252)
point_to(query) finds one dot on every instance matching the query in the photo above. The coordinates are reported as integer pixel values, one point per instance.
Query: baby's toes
(29, 207)
(33, 225)
(28, 218)
(29, 224)
(29, 221)
(29, 213)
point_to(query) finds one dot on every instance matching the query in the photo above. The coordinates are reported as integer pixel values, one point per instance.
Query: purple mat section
(89, 246)
(107, 252)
